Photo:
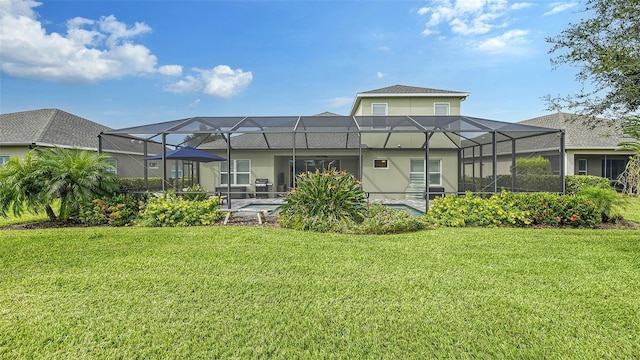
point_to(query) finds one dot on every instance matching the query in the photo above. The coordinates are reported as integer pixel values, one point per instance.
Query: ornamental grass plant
(323, 201)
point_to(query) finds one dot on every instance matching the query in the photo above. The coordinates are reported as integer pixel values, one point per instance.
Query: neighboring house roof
(49, 127)
(54, 127)
(577, 135)
(406, 91)
(327, 113)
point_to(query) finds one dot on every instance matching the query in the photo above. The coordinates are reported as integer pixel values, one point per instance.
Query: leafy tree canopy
(605, 47)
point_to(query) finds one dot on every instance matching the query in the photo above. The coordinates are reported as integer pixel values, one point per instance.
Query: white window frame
(379, 161)
(4, 159)
(583, 172)
(114, 169)
(153, 165)
(234, 172)
(435, 105)
(386, 109)
(386, 113)
(419, 175)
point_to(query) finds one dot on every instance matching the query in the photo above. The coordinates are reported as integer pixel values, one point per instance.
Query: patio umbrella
(190, 154)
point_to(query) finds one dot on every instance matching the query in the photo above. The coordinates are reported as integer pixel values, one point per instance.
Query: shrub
(573, 183)
(533, 166)
(511, 209)
(176, 211)
(119, 210)
(381, 219)
(606, 200)
(471, 210)
(137, 184)
(554, 209)
(195, 192)
(323, 201)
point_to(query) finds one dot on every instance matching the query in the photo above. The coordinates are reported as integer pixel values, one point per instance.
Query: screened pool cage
(481, 155)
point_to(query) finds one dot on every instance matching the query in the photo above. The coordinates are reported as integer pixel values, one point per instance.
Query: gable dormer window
(379, 109)
(441, 108)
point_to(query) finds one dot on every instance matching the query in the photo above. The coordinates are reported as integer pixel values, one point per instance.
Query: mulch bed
(270, 221)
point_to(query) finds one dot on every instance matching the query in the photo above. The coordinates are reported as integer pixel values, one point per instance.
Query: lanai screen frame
(462, 131)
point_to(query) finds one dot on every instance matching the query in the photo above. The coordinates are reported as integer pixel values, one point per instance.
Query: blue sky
(125, 63)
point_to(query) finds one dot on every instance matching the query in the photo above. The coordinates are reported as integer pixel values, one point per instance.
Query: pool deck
(237, 204)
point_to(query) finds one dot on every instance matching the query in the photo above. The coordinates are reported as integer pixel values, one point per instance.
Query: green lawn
(632, 211)
(233, 292)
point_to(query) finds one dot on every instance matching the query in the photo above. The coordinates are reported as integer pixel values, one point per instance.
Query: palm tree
(20, 186)
(72, 176)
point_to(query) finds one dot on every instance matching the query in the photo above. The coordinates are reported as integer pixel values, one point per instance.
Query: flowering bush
(509, 209)
(555, 210)
(177, 211)
(323, 201)
(119, 210)
(471, 210)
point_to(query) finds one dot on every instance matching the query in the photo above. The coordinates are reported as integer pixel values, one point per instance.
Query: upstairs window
(379, 112)
(379, 109)
(4, 159)
(441, 108)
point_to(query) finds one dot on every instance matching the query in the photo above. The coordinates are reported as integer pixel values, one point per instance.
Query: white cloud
(464, 17)
(558, 7)
(520, 5)
(90, 51)
(383, 48)
(195, 103)
(221, 81)
(508, 42)
(379, 75)
(170, 70)
(339, 102)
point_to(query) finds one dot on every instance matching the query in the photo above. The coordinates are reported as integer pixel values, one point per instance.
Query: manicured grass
(234, 292)
(27, 217)
(632, 211)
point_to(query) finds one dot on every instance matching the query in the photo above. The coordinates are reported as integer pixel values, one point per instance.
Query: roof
(49, 127)
(54, 127)
(335, 132)
(577, 135)
(412, 90)
(406, 91)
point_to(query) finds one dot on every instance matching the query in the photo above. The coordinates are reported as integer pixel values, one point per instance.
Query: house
(401, 141)
(22, 131)
(588, 151)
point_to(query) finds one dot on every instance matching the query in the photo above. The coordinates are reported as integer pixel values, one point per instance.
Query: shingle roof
(403, 89)
(49, 126)
(579, 136)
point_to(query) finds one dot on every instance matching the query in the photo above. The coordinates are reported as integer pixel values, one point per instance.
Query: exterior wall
(273, 165)
(17, 151)
(128, 165)
(395, 179)
(407, 105)
(594, 160)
